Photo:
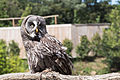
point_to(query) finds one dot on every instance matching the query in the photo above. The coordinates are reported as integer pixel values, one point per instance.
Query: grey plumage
(43, 50)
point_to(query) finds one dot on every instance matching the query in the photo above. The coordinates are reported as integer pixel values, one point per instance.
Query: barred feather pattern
(47, 53)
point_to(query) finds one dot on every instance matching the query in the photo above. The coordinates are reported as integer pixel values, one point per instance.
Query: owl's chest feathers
(38, 51)
(45, 45)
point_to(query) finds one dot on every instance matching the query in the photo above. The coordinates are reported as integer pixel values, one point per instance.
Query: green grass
(90, 67)
(84, 67)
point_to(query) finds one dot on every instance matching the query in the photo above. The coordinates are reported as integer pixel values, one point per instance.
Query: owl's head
(34, 26)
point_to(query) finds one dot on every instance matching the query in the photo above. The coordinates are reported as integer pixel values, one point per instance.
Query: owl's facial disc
(36, 32)
(36, 27)
(32, 29)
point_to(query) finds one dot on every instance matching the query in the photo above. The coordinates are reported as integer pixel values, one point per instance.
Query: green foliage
(87, 70)
(3, 54)
(26, 12)
(103, 71)
(67, 43)
(111, 36)
(108, 46)
(84, 47)
(14, 64)
(69, 11)
(96, 45)
(113, 63)
(9, 58)
(111, 40)
(13, 48)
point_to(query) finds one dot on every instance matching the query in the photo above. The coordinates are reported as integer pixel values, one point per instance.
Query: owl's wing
(52, 49)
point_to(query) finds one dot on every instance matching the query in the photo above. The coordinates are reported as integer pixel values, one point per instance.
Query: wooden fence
(18, 18)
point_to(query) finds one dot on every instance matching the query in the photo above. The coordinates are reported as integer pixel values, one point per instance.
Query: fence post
(55, 20)
(13, 22)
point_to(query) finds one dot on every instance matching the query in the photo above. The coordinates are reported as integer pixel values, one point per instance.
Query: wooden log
(57, 76)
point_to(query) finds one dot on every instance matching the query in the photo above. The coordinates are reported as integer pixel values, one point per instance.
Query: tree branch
(57, 76)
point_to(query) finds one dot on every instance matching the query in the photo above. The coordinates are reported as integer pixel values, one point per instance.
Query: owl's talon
(45, 72)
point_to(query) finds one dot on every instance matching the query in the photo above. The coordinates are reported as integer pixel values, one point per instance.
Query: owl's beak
(36, 30)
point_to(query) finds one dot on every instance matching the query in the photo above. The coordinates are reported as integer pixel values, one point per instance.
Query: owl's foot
(47, 70)
(44, 72)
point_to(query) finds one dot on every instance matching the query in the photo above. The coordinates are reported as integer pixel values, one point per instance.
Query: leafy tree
(111, 36)
(3, 13)
(67, 43)
(28, 11)
(69, 11)
(14, 63)
(84, 47)
(3, 56)
(13, 8)
(111, 40)
(13, 48)
(9, 58)
(96, 45)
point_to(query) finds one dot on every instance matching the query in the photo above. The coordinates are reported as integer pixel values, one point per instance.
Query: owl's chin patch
(32, 35)
(39, 36)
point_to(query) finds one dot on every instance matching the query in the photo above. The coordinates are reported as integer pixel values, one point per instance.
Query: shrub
(13, 48)
(14, 64)
(96, 45)
(68, 43)
(3, 55)
(113, 63)
(103, 71)
(84, 47)
(9, 58)
(111, 41)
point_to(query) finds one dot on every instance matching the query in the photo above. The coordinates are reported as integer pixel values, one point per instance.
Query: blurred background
(89, 29)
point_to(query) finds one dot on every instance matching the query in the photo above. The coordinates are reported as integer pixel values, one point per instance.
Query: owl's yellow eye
(32, 26)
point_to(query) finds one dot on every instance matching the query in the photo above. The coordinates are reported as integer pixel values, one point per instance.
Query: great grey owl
(43, 50)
